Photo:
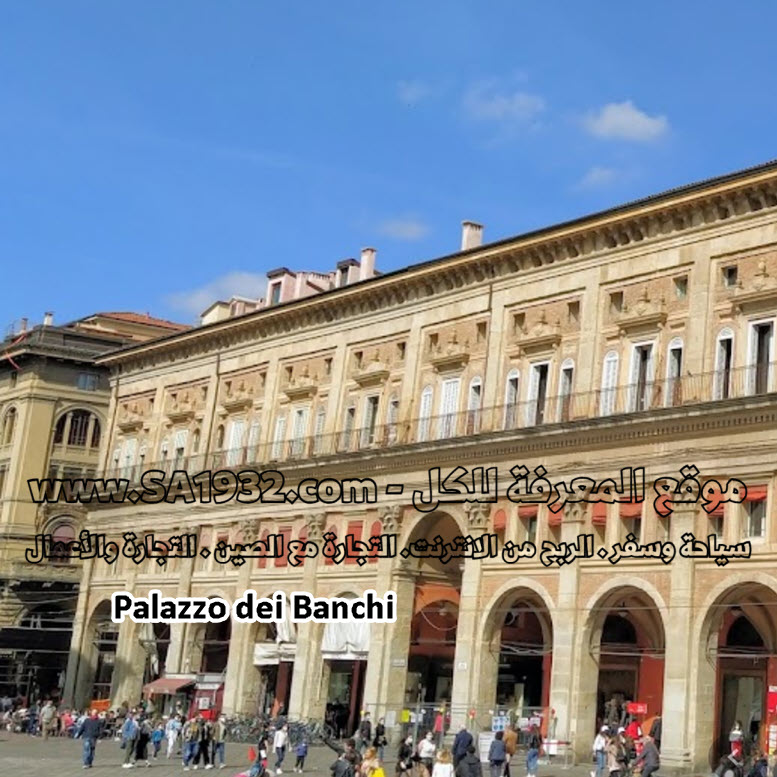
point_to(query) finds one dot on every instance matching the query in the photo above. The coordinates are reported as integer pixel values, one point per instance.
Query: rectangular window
(278, 437)
(449, 404)
(641, 377)
(538, 390)
(565, 394)
(299, 430)
(674, 377)
(370, 421)
(761, 343)
(755, 519)
(2, 481)
(730, 276)
(275, 293)
(681, 287)
(573, 312)
(716, 525)
(88, 381)
(350, 421)
(616, 302)
(724, 366)
(235, 443)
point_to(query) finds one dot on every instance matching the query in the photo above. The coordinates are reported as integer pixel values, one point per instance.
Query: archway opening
(628, 646)
(274, 648)
(105, 639)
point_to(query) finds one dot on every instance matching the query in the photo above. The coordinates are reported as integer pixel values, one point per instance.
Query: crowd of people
(627, 750)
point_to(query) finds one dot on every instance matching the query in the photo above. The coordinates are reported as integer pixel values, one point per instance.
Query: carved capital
(315, 524)
(477, 515)
(391, 519)
(249, 531)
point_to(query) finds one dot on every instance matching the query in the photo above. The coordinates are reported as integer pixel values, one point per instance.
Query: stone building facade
(638, 337)
(53, 410)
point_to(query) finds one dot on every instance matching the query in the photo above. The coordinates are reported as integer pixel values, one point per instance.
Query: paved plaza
(32, 757)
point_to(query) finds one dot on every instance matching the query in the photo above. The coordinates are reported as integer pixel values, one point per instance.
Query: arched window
(609, 383)
(474, 403)
(62, 534)
(674, 370)
(59, 430)
(9, 426)
(512, 387)
(566, 382)
(95, 441)
(424, 414)
(79, 428)
(724, 364)
(196, 441)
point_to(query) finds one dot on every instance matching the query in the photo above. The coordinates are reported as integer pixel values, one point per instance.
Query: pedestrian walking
(533, 752)
(191, 741)
(426, 752)
(279, 743)
(203, 749)
(599, 749)
(129, 738)
(145, 731)
(156, 738)
(470, 765)
(91, 731)
(497, 755)
(301, 751)
(172, 732)
(379, 741)
(219, 739)
(511, 745)
(443, 765)
(48, 718)
(365, 732)
(461, 743)
(405, 757)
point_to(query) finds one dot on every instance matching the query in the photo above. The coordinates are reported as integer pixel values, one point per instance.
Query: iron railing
(641, 397)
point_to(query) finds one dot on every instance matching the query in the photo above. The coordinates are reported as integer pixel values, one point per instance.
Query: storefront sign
(484, 745)
(771, 699)
(636, 708)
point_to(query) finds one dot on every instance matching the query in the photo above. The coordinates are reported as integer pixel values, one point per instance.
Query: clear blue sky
(158, 155)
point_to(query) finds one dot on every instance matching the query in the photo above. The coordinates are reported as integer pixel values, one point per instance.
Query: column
(566, 664)
(679, 706)
(78, 662)
(240, 651)
(386, 680)
(175, 650)
(305, 699)
(465, 683)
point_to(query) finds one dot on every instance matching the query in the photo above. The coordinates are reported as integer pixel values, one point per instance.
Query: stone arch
(526, 597)
(752, 595)
(640, 667)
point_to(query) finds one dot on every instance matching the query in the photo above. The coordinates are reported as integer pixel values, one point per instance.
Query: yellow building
(638, 337)
(53, 409)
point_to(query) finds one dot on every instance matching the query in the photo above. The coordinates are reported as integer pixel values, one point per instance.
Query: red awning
(599, 514)
(527, 511)
(167, 686)
(756, 493)
(631, 509)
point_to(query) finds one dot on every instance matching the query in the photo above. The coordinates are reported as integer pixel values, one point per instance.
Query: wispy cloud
(195, 301)
(490, 101)
(624, 121)
(408, 228)
(596, 177)
(413, 92)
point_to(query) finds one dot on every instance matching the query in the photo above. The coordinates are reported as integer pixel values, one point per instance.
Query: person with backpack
(129, 738)
(144, 737)
(470, 765)
(345, 765)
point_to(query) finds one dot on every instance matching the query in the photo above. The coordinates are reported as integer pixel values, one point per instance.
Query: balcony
(621, 401)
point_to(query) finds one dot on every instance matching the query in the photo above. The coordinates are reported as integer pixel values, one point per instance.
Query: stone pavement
(27, 756)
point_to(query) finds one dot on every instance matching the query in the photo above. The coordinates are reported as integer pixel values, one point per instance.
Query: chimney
(353, 272)
(23, 326)
(471, 235)
(48, 319)
(368, 264)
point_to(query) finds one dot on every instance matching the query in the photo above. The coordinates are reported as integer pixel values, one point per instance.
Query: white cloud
(626, 122)
(408, 228)
(597, 176)
(413, 92)
(485, 101)
(243, 284)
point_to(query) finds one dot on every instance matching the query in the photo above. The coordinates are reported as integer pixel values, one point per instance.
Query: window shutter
(609, 378)
(423, 414)
(236, 429)
(449, 405)
(254, 434)
(181, 437)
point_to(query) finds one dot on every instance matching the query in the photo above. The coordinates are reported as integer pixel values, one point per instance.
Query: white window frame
(474, 404)
(318, 429)
(747, 534)
(279, 433)
(446, 424)
(676, 344)
(751, 354)
(608, 396)
(300, 420)
(425, 413)
(650, 377)
(392, 418)
(534, 384)
(368, 436)
(510, 419)
(725, 334)
(568, 365)
(235, 437)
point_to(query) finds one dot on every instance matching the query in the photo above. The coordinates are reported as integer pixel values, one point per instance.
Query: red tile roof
(142, 318)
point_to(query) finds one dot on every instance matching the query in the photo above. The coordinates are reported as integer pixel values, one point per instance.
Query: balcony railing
(641, 397)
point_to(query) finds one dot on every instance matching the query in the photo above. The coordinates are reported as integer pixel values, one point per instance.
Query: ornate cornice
(657, 218)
